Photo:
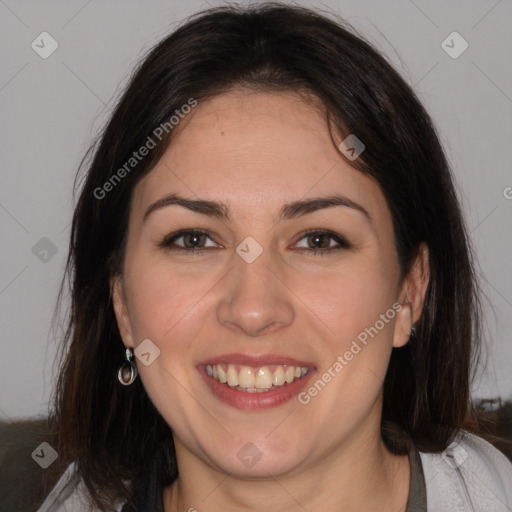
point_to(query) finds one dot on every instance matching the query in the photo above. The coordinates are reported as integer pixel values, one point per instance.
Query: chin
(249, 459)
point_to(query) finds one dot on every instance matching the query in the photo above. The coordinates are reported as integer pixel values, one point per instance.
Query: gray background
(52, 108)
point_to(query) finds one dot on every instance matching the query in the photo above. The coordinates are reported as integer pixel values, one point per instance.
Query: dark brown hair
(111, 431)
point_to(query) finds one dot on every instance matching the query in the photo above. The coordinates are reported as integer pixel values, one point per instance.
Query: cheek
(352, 300)
(164, 307)
(162, 299)
(357, 306)
(157, 307)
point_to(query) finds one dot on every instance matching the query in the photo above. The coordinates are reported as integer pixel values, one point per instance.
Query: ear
(412, 296)
(121, 310)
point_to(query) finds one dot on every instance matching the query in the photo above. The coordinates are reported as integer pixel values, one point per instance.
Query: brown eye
(320, 241)
(192, 239)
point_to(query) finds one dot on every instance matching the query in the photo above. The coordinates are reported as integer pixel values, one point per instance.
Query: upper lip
(261, 360)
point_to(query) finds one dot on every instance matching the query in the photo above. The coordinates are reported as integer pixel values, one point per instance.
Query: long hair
(111, 431)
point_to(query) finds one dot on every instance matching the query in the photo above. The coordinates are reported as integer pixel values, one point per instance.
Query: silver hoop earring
(127, 372)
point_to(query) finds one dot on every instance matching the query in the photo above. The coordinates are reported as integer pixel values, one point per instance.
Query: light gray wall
(51, 108)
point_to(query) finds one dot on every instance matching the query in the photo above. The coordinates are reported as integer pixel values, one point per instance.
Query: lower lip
(257, 400)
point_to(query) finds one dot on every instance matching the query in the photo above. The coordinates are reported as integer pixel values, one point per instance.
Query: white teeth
(255, 380)
(279, 378)
(246, 378)
(222, 374)
(263, 378)
(232, 377)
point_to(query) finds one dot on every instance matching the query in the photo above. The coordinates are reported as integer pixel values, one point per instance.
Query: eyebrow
(291, 210)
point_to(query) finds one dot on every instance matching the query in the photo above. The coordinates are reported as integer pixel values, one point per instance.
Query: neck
(361, 474)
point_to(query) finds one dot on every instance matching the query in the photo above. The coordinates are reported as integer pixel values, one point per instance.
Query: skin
(255, 152)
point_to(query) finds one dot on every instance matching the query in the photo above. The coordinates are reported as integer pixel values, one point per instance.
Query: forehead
(258, 150)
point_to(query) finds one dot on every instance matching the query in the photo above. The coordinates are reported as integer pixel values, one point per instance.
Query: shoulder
(70, 495)
(470, 475)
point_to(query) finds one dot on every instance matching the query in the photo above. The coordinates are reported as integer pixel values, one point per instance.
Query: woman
(273, 300)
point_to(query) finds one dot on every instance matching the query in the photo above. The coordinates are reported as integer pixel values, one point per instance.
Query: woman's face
(252, 299)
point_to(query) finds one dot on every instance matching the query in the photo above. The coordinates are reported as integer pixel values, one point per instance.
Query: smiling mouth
(255, 379)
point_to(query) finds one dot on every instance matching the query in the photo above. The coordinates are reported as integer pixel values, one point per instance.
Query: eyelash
(169, 240)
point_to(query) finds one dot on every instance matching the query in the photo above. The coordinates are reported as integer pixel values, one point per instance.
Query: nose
(255, 298)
